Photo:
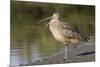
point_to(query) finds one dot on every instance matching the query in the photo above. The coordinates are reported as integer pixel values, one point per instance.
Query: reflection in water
(15, 57)
(24, 55)
(35, 53)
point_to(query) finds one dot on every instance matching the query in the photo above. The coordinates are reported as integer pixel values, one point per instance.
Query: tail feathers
(86, 38)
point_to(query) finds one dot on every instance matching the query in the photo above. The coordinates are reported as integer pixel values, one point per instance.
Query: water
(26, 49)
(22, 57)
(31, 41)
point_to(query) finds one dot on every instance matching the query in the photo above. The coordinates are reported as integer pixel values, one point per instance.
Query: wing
(70, 31)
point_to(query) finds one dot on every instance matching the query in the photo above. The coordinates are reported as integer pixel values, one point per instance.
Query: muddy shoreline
(84, 52)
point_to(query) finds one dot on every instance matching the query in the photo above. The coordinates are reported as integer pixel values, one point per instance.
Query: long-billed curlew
(63, 32)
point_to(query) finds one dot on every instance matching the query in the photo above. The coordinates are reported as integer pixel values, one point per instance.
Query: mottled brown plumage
(62, 31)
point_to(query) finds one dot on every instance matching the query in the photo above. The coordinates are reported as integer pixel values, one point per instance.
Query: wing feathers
(70, 32)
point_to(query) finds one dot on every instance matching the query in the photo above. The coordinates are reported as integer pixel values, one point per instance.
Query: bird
(63, 32)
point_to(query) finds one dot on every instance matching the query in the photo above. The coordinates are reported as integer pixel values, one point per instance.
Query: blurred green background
(30, 40)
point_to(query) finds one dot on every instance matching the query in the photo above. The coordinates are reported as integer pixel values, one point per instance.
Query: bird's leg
(66, 60)
(65, 57)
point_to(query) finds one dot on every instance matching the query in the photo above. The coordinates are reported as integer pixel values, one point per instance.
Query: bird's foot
(66, 60)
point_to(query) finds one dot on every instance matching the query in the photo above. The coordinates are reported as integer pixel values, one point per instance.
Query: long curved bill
(44, 19)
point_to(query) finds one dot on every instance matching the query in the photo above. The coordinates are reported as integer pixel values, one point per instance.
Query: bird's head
(55, 16)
